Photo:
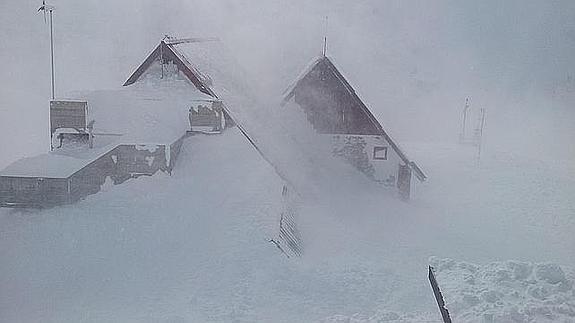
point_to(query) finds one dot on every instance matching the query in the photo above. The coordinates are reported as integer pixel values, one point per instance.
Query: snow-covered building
(334, 109)
(183, 87)
(110, 136)
(133, 134)
(193, 85)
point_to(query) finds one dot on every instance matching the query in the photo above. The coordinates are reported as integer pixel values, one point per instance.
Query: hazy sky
(412, 61)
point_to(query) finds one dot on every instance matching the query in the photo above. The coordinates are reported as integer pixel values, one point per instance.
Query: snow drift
(510, 291)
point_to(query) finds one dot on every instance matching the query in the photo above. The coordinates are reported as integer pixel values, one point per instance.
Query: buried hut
(335, 110)
(110, 136)
(187, 86)
(183, 87)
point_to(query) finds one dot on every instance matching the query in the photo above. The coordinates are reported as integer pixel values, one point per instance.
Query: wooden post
(404, 181)
(438, 297)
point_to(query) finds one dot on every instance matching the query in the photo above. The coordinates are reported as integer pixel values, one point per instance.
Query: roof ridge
(176, 41)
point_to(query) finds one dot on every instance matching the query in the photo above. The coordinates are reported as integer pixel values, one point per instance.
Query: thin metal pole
(162, 57)
(481, 134)
(52, 52)
(462, 136)
(465, 116)
(325, 38)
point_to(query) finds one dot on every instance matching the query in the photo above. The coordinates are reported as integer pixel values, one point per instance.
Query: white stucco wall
(384, 171)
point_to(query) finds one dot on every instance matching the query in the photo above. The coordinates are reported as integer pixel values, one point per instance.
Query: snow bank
(56, 164)
(284, 138)
(149, 113)
(154, 111)
(509, 291)
(379, 317)
(195, 247)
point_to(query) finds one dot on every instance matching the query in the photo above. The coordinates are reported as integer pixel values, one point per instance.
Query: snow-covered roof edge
(167, 50)
(290, 91)
(168, 47)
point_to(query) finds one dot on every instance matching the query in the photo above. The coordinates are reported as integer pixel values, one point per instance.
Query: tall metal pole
(465, 109)
(323, 52)
(52, 52)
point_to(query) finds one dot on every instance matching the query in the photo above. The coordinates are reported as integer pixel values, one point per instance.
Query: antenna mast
(52, 52)
(162, 44)
(50, 10)
(325, 39)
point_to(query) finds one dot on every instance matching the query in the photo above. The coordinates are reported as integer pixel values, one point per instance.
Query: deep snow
(508, 291)
(139, 252)
(194, 246)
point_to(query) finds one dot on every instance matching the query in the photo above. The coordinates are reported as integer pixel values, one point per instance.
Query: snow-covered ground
(193, 247)
(508, 291)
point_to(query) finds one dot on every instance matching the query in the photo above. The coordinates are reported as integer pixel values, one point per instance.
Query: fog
(413, 62)
(165, 249)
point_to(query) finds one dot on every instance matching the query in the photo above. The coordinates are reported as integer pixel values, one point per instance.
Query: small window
(380, 153)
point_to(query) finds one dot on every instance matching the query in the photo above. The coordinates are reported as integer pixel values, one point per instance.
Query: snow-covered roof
(224, 78)
(52, 165)
(209, 66)
(289, 90)
(219, 72)
(154, 111)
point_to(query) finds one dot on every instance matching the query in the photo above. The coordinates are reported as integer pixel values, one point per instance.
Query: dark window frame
(377, 151)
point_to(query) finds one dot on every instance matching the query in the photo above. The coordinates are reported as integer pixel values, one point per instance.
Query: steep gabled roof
(206, 63)
(326, 62)
(166, 50)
